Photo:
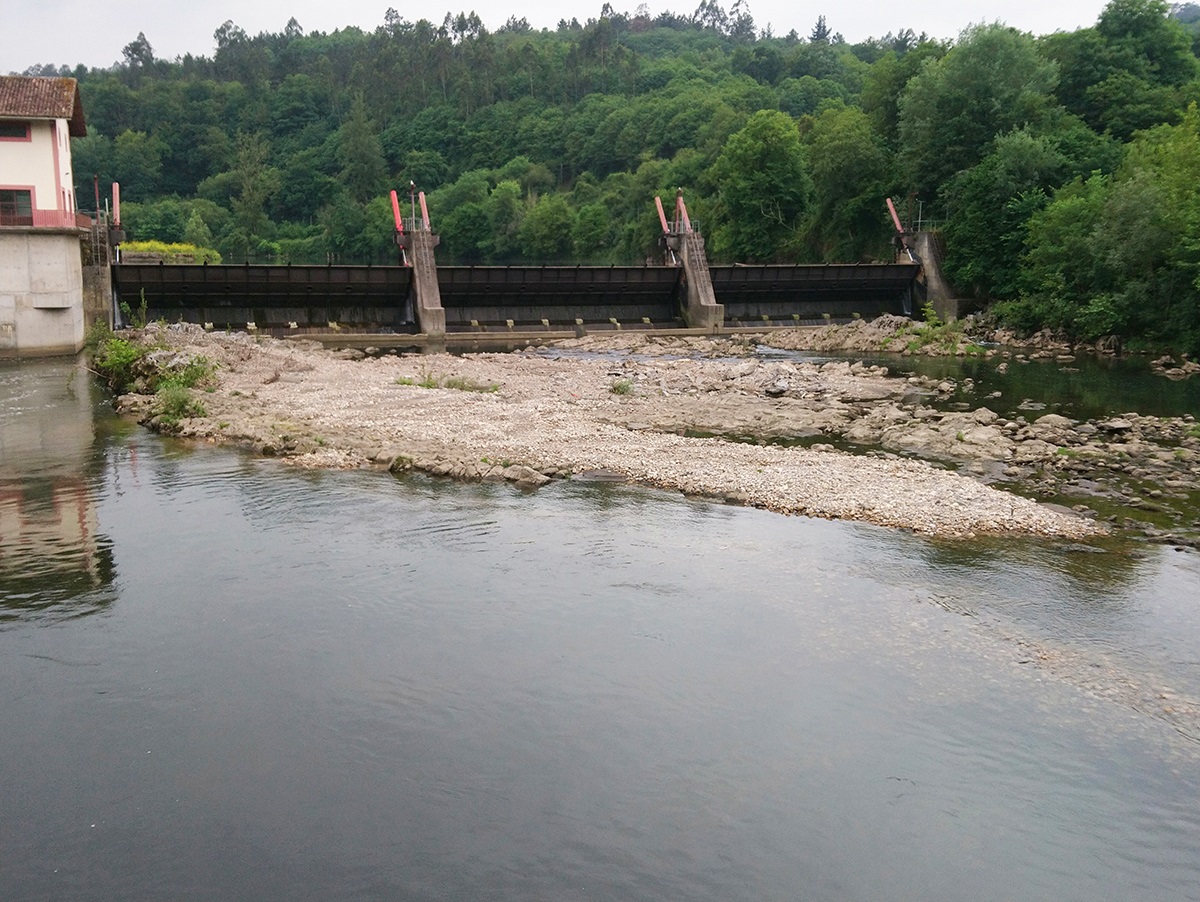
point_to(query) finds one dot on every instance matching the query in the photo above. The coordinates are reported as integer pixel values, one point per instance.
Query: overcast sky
(93, 32)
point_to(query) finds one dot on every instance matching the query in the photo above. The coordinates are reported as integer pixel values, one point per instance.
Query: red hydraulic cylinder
(662, 217)
(681, 208)
(396, 213)
(424, 210)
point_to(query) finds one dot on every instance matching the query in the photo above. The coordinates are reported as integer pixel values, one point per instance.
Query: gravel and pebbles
(528, 418)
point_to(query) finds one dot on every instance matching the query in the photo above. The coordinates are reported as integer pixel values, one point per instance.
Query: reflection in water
(52, 555)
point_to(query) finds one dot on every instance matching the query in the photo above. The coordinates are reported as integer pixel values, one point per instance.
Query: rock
(1116, 425)
(1034, 451)
(525, 477)
(1051, 428)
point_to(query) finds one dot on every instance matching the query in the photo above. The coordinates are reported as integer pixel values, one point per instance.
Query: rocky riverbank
(651, 418)
(1139, 472)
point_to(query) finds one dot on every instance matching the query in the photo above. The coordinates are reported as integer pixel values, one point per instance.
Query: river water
(221, 678)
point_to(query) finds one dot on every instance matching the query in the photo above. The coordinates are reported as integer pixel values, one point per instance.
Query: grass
(621, 387)
(457, 383)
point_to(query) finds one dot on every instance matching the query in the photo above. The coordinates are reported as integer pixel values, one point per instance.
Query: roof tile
(29, 97)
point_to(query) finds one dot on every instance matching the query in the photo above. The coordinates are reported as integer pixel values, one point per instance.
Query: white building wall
(33, 164)
(66, 174)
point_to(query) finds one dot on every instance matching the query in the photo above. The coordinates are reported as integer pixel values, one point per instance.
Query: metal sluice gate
(379, 298)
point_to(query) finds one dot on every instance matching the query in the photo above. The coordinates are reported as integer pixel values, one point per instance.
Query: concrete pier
(937, 290)
(431, 318)
(41, 292)
(701, 310)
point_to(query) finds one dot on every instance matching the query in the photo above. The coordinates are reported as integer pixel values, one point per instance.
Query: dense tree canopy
(1063, 169)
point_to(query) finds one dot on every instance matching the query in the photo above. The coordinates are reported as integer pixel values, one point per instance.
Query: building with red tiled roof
(38, 117)
(41, 282)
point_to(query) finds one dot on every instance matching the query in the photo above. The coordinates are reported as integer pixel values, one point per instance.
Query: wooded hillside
(1063, 170)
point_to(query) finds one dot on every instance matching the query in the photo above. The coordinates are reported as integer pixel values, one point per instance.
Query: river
(222, 678)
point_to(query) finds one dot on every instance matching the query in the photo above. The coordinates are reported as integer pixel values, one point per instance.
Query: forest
(1063, 171)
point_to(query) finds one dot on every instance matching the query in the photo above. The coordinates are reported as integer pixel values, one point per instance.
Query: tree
(852, 174)
(546, 230)
(884, 85)
(361, 154)
(197, 232)
(1059, 267)
(1147, 41)
(138, 53)
(505, 211)
(993, 81)
(254, 182)
(137, 164)
(763, 189)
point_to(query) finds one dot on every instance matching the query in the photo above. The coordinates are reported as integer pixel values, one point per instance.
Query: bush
(175, 402)
(171, 253)
(116, 360)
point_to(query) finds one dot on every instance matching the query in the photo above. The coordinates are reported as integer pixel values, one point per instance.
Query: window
(16, 206)
(14, 131)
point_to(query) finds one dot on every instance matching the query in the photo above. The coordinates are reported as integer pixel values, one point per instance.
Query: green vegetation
(457, 383)
(135, 320)
(621, 387)
(946, 337)
(116, 360)
(177, 252)
(1063, 171)
(175, 402)
(133, 366)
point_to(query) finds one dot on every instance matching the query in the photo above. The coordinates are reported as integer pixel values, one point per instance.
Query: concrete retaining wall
(41, 292)
(97, 296)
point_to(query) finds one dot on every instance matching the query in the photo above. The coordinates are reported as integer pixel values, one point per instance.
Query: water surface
(243, 681)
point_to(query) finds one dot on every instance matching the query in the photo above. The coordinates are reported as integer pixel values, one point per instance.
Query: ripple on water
(597, 691)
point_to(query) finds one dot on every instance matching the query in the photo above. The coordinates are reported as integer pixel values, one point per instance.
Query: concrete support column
(937, 289)
(702, 310)
(431, 317)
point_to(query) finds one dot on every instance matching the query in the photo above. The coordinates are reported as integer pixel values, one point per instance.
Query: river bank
(530, 417)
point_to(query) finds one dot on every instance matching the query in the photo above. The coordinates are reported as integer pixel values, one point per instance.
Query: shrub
(175, 402)
(171, 253)
(116, 360)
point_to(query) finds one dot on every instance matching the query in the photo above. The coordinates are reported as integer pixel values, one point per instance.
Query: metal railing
(45, 219)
